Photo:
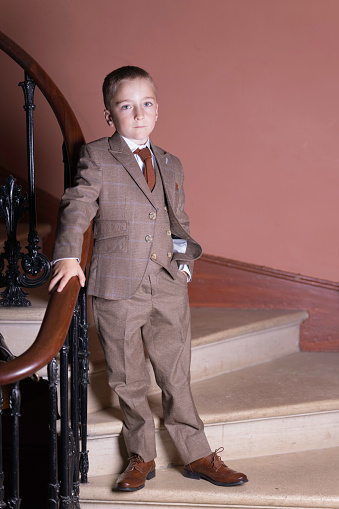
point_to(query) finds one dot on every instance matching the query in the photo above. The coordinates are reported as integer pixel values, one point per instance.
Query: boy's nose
(138, 113)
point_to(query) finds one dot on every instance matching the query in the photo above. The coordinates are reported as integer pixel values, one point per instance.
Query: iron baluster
(28, 87)
(74, 330)
(13, 205)
(2, 488)
(14, 403)
(83, 369)
(33, 263)
(65, 487)
(65, 160)
(53, 485)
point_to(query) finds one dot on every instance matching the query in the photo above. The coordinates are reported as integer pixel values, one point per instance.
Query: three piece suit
(139, 294)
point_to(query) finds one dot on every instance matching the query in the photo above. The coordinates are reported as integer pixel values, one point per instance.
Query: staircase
(274, 409)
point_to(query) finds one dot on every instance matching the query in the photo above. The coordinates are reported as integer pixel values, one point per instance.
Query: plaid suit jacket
(111, 189)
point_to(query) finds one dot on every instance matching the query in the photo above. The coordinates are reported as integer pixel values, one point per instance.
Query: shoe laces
(216, 460)
(136, 460)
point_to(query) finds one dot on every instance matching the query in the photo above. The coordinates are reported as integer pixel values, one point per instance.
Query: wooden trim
(221, 282)
(267, 271)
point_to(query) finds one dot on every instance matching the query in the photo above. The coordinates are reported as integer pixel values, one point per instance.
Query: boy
(142, 259)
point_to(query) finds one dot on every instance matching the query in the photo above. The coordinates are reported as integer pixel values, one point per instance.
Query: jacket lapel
(122, 153)
(167, 173)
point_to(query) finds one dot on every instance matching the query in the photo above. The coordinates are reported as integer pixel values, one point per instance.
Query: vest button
(168, 232)
(152, 215)
(169, 255)
(148, 238)
(153, 256)
(165, 208)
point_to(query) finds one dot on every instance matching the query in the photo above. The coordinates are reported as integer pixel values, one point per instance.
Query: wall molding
(267, 271)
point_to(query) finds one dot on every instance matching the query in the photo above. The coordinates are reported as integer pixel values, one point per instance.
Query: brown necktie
(146, 158)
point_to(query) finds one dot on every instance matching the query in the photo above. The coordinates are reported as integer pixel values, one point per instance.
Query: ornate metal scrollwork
(13, 204)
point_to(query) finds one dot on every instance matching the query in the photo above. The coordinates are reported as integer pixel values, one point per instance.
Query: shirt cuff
(53, 262)
(184, 268)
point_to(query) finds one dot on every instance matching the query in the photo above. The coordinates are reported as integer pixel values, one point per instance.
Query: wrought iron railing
(65, 317)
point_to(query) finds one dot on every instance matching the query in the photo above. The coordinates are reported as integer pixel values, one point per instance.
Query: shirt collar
(133, 146)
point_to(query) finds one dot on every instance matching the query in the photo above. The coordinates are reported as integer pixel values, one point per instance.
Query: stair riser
(243, 439)
(243, 351)
(211, 360)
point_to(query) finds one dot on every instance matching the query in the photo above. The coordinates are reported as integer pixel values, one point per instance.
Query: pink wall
(249, 100)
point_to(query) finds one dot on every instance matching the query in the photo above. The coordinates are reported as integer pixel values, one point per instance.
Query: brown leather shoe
(214, 470)
(135, 475)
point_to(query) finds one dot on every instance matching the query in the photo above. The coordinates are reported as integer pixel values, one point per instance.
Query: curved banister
(60, 306)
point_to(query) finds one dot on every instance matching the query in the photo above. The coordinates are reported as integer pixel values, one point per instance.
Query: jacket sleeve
(79, 204)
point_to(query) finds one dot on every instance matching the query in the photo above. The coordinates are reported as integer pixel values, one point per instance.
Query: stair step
(285, 405)
(301, 480)
(223, 340)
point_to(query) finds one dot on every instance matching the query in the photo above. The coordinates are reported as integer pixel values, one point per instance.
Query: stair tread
(215, 324)
(304, 480)
(299, 383)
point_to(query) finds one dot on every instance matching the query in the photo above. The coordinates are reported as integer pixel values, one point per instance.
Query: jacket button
(152, 215)
(165, 208)
(168, 232)
(153, 256)
(148, 238)
(169, 255)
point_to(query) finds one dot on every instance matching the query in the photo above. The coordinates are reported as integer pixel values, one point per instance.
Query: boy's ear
(156, 112)
(109, 118)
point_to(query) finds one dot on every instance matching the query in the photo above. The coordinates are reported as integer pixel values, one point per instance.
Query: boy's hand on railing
(63, 271)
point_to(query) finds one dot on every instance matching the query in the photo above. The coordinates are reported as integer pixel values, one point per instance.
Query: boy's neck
(133, 144)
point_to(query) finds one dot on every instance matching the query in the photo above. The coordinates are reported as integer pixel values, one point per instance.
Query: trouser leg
(167, 337)
(119, 325)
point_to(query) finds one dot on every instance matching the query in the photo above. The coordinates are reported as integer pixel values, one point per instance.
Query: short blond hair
(114, 79)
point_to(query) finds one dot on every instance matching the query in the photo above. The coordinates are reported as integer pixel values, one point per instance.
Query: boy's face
(133, 110)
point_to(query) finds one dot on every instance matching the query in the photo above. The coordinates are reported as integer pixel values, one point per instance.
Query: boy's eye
(148, 103)
(125, 107)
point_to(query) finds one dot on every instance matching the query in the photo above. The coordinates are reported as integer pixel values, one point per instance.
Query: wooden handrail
(60, 306)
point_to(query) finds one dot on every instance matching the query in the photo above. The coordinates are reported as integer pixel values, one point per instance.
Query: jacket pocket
(110, 236)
